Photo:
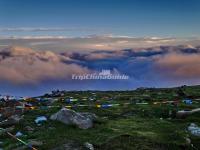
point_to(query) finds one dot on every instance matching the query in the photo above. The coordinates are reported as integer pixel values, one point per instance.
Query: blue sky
(177, 18)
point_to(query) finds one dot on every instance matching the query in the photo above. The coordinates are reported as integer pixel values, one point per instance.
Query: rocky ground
(93, 120)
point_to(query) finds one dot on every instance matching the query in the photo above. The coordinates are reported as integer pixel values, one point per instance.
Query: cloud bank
(159, 66)
(92, 42)
(179, 65)
(23, 65)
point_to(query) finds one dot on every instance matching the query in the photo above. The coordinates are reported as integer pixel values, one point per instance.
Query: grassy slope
(127, 127)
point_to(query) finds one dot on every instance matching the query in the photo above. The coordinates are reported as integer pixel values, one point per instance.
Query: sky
(138, 18)
(43, 42)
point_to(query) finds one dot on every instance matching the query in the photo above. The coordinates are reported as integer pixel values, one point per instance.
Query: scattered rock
(51, 128)
(89, 146)
(71, 145)
(70, 117)
(29, 129)
(194, 129)
(34, 142)
(15, 119)
(188, 141)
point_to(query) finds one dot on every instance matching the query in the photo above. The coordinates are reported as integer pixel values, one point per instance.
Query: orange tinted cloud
(179, 65)
(27, 66)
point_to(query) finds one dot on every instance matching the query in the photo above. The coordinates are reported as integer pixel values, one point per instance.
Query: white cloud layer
(92, 42)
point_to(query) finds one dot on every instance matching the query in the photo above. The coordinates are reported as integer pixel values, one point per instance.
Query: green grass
(163, 133)
(143, 127)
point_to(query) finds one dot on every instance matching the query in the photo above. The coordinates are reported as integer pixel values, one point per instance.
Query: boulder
(89, 115)
(70, 117)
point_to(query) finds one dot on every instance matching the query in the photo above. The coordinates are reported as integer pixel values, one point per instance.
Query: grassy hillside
(128, 126)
